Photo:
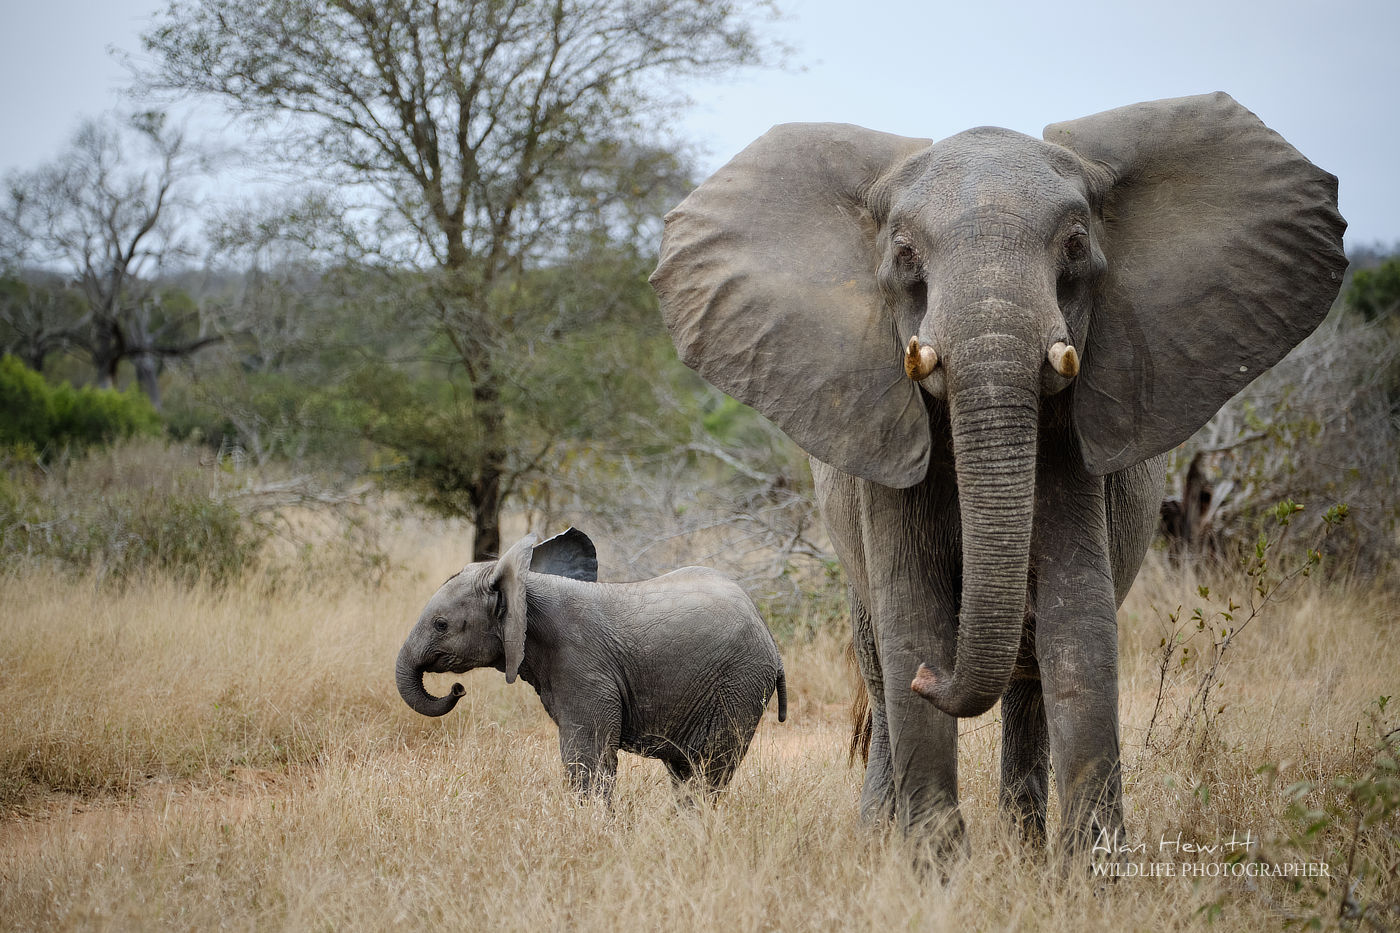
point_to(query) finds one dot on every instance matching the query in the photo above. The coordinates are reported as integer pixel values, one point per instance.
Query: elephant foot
(1091, 852)
(938, 843)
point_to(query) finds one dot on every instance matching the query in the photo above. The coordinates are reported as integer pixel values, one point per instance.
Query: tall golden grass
(195, 757)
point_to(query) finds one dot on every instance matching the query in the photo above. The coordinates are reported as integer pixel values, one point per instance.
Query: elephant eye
(440, 624)
(1077, 247)
(904, 250)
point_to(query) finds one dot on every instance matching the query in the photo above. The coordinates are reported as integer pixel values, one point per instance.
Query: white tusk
(919, 361)
(1063, 359)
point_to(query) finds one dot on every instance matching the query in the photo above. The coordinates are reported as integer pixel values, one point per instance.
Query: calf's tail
(782, 694)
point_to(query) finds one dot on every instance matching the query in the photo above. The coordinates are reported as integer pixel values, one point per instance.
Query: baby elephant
(679, 667)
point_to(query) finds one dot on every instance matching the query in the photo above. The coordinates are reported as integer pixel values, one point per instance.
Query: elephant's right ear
(767, 284)
(568, 554)
(509, 582)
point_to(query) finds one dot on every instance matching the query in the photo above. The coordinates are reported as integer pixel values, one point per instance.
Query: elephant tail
(861, 719)
(782, 694)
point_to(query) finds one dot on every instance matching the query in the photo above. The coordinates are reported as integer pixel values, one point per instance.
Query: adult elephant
(986, 344)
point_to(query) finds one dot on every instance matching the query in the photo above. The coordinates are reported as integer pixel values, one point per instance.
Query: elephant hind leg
(680, 769)
(693, 779)
(683, 773)
(1025, 760)
(730, 737)
(707, 764)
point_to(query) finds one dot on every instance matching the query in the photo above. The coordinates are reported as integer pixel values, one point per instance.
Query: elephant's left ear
(509, 581)
(568, 554)
(1224, 249)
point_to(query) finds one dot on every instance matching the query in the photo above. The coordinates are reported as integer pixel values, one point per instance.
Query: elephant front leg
(1077, 650)
(589, 751)
(923, 757)
(911, 584)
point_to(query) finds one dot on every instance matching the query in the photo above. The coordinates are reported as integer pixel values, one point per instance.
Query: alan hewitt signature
(1114, 844)
(1178, 857)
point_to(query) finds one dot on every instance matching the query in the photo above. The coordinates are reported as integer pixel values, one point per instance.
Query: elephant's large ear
(767, 284)
(1224, 249)
(567, 554)
(509, 582)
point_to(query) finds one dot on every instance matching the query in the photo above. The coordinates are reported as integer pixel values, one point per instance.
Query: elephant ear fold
(568, 554)
(1224, 249)
(509, 583)
(767, 284)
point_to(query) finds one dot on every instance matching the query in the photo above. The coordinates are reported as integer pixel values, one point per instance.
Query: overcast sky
(1324, 73)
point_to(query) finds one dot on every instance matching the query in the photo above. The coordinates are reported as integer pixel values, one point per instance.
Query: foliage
(1220, 622)
(1374, 291)
(1323, 424)
(156, 513)
(493, 143)
(1345, 822)
(591, 376)
(50, 419)
(39, 316)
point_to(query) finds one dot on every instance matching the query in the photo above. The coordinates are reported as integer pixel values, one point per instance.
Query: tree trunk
(486, 488)
(147, 372)
(486, 510)
(105, 348)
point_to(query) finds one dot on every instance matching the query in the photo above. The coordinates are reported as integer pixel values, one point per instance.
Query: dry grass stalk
(176, 757)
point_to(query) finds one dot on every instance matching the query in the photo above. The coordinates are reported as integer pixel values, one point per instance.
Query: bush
(1375, 291)
(51, 418)
(1322, 426)
(131, 509)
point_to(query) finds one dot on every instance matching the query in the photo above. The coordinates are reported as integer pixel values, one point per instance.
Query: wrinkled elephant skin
(987, 344)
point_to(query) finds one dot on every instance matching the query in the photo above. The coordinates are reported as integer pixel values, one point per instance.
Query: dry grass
(194, 758)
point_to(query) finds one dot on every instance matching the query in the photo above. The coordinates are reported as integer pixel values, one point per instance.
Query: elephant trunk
(408, 673)
(995, 430)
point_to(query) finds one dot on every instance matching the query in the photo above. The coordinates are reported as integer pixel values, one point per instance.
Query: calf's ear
(508, 581)
(568, 554)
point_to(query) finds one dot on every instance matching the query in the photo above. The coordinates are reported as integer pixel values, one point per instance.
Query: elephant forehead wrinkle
(992, 218)
(1000, 196)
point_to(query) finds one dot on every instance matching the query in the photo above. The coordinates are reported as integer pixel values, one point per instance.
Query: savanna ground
(179, 755)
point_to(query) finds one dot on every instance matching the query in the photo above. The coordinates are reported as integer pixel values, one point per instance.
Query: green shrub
(130, 509)
(50, 418)
(26, 406)
(1375, 291)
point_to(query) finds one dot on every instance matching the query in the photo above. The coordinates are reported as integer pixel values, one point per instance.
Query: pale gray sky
(1324, 73)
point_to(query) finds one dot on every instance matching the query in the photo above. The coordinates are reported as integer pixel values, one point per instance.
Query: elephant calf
(679, 667)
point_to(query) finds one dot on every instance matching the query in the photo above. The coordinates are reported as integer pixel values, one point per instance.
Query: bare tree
(491, 133)
(39, 316)
(104, 214)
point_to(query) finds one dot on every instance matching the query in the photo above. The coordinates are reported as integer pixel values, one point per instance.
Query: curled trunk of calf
(408, 674)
